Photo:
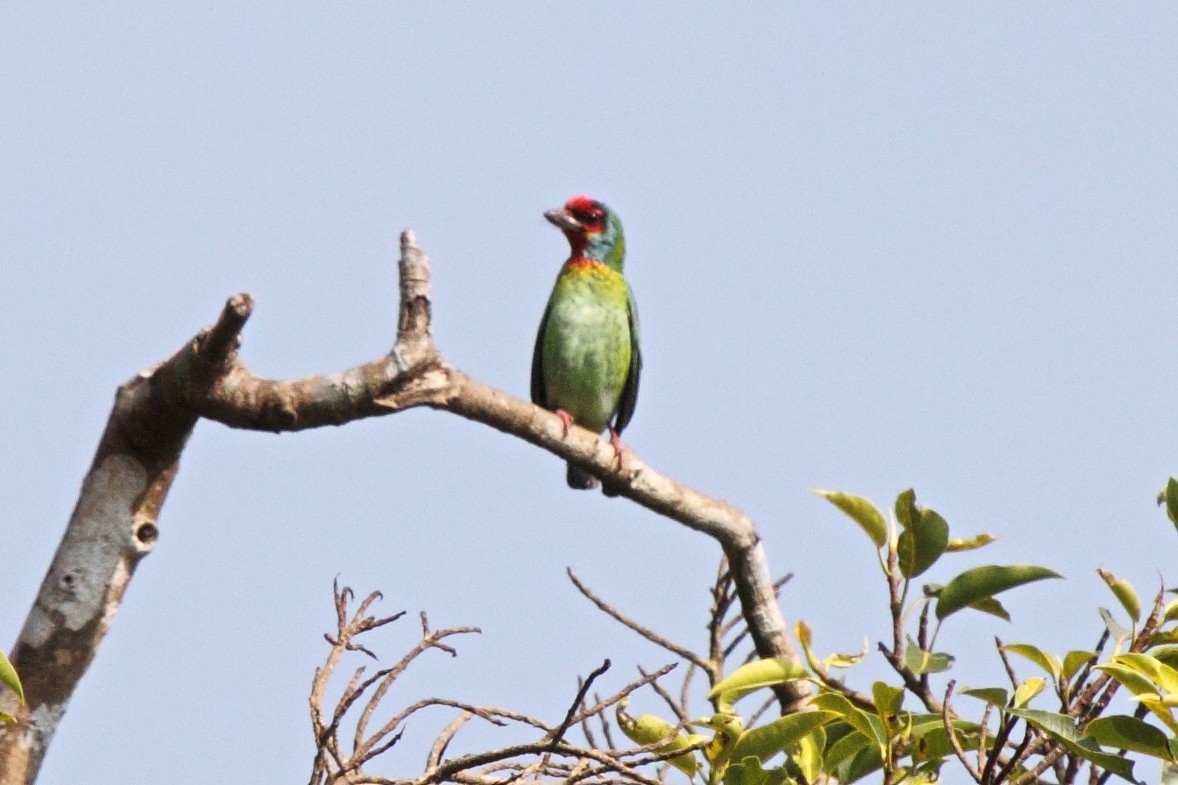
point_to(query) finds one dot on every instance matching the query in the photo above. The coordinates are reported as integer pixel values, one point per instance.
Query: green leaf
(924, 777)
(807, 754)
(991, 606)
(1027, 690)
(6, 717)
(1167, 653)
(754, 676)
(1128, 733)
(647, 729)
(920, 661)
(1063, 729)
(862, 512)
(845, 749)
(1074, 660)
(1048, 662)
(888, 700)
(930, 741)
(1160, 709)
(749, 772)
(728, 728)
(767, 740)
(981, 582)
(995, 696)
(687, 762)
(1129, 678)
(9, 678)
(925, 535)
(906, 507)
(644, 729)
(1156, 671)
(1171, 611)
(1169, 497)
(1124, 592)
(868, 724)
(861, 764)
(973, 543)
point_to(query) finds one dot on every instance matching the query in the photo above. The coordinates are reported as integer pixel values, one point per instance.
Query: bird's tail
(580, 479)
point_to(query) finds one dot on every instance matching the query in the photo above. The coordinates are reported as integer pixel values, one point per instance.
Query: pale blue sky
(873, 248)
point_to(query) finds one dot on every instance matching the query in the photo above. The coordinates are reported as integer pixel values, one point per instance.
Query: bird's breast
(587, 346)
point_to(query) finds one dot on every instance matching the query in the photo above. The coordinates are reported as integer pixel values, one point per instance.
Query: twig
(427, 643)
(685, 689)
(677, 708)
(605, 726)
(917, 685)
(1019, 754)
(443, 741)
(642, 630)
(947, 719)
(1006, 663)
(561, 729)
(602, 705)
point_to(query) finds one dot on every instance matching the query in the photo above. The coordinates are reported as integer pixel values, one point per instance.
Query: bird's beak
(563, 221)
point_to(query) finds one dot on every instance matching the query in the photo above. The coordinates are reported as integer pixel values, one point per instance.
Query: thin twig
(601, 705)
(677, 708)
(1006, 663)
(561, 729)
(642, 630)
(429, 642)
(443, 741)
(947, 719)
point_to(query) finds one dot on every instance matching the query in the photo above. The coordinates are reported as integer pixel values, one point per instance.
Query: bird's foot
(615, 441)
(566, 420)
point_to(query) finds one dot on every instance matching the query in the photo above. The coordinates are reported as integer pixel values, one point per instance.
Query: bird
(587, 362)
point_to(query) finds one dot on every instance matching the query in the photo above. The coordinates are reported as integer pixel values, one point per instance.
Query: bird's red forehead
(580, 203)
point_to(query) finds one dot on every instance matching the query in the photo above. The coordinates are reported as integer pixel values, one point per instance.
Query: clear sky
(872, 248)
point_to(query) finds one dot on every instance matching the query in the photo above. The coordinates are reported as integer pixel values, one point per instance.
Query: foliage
(1053, 722)
(10, 680)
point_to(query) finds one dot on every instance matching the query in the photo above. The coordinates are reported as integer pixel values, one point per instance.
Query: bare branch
(642, 630)
(439, 749)
(947, 719)
(1010, 674)
(601, 705)
(361, 744)
(917, 685)
(115, 523)
(679, 709)
(605, 726)
(561, 729)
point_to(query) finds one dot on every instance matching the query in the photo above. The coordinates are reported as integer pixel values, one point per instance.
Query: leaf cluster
(1053, 722)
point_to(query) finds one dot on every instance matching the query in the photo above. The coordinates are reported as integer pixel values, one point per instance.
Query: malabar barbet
(586, 363)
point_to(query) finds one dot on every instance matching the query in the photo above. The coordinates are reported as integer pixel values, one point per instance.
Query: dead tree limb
(114, 524)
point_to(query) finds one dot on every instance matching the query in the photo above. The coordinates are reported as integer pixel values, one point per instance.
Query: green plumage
(587, 361)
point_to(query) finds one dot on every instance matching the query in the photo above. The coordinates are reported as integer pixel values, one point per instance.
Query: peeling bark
(115, 522)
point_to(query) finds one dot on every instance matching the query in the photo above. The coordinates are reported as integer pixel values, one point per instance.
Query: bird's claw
(566, 420)
(615, 441)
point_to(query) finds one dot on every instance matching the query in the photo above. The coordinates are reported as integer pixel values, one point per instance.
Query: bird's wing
(629, 398)
(538, 397)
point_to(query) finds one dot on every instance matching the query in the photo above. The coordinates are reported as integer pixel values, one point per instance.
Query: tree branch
(115, 522)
